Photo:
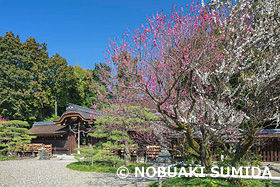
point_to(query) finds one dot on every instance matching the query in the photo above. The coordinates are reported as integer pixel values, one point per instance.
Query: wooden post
(79, 137)
(271, 152)
(267, 156)
(69, 143)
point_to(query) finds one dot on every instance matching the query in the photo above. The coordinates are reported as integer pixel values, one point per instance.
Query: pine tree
(127, 119)
(13, 136)
(105, 150)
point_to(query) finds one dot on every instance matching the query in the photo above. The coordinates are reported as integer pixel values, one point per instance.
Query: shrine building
(64, 134)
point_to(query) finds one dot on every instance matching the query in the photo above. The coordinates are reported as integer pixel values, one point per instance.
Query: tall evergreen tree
(63, 84)
(15, 91)
(38, 58)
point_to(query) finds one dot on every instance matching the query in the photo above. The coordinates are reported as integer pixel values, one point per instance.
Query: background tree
(101, 94)
(34, 86)
(62, 82)
(90, 85)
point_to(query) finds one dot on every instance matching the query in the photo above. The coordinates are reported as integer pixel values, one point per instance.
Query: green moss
(211, 182)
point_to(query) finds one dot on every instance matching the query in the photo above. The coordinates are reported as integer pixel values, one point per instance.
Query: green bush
(255, 160)
(97, 153)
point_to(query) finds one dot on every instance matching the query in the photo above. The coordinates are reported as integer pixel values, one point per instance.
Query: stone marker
(43, 154)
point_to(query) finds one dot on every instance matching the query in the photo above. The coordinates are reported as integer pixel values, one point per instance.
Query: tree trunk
(205, 155)
(159, 182)
(141, 154)
(55, 105)
(202, 148)
(90, 146)
(243, 150)
(127, 153)
(41, 114)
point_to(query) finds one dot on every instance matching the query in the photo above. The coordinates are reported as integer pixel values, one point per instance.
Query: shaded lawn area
(4, 158)
(105, 167)
(211, 182)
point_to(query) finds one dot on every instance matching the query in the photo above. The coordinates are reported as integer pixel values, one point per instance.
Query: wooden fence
(269, 153)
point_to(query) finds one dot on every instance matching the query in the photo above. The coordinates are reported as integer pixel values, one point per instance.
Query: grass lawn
(105, 167)
(176, 181)
(3, 158)
(210, 182)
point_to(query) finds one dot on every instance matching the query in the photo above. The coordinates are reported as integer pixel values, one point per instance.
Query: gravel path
(31, 172)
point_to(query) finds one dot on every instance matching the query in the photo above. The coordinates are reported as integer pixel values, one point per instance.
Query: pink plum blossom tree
(212, 72)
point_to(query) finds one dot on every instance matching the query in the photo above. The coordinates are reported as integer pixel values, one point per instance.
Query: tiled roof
(74, 107)
(268, 133)
(73, 110)
(44, 123)
(45, 128)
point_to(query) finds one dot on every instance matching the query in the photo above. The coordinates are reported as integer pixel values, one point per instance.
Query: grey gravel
(32, 172)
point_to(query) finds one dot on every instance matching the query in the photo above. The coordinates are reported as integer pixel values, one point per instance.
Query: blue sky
(78, 30)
